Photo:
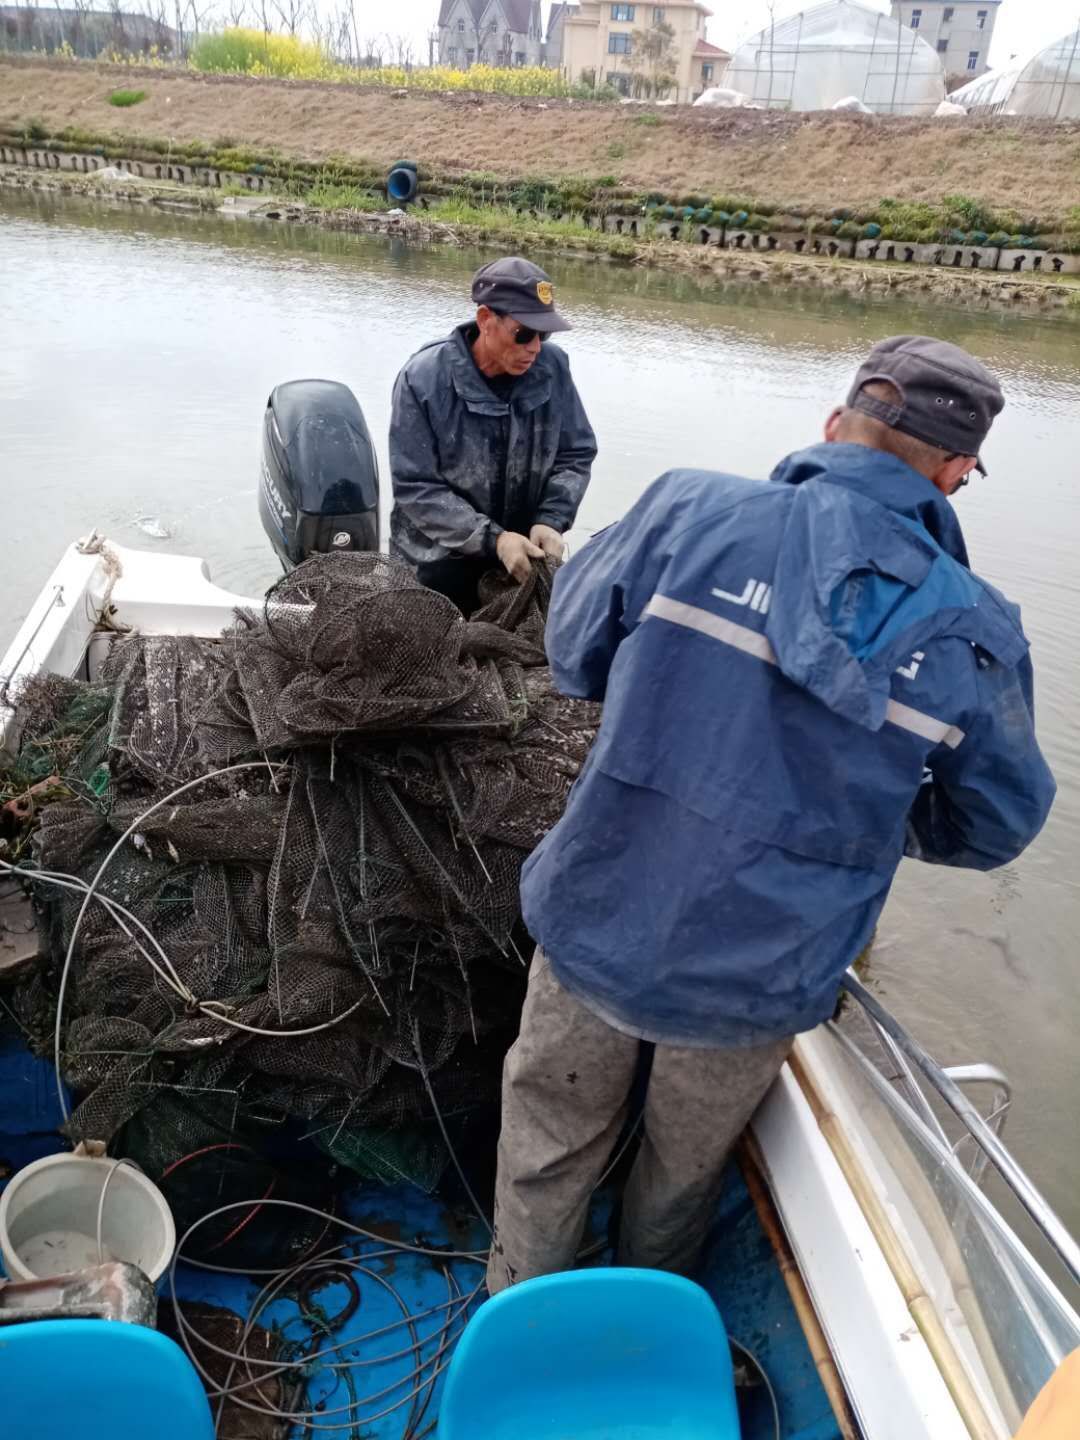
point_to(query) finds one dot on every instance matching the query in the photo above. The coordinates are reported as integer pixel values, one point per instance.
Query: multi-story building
(553, 40)
(960, 32)
(490, 32)
(646, 50)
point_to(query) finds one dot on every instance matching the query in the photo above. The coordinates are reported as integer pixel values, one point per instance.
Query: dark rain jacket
(802, 682)
(465, 465)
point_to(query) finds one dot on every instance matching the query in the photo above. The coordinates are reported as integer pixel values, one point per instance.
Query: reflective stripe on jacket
(801, 680)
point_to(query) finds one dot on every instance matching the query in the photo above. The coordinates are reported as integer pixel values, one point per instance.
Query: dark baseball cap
(946, 397)
(520, 289)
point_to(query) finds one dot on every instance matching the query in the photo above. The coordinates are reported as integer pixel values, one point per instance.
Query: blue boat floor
(740, 1273)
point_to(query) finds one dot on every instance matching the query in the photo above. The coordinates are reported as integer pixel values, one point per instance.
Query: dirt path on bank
(818, 160)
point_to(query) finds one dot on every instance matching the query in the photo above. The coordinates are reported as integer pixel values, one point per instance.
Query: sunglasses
(524, 335)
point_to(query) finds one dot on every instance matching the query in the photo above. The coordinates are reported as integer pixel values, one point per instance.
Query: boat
(870, 1285)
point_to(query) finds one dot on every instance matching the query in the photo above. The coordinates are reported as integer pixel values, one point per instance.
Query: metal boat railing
(984, 1133)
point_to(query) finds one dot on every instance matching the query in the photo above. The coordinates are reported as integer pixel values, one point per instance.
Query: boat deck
(392, 1359)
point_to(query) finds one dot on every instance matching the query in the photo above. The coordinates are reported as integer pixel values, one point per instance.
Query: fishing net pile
(355, 883)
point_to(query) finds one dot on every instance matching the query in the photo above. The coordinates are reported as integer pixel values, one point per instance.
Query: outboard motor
(319, 481)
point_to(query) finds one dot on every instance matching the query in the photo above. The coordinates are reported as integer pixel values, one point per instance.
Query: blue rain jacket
(802, 682)
(466, 465)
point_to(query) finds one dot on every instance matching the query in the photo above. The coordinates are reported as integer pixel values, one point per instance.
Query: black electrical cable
(421, 1377)
(738, 1345)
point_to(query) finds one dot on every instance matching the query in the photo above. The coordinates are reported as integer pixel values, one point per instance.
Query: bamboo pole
(749, 1156)
(920, 1306)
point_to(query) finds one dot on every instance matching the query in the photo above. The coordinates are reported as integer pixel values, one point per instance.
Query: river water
(137, 350)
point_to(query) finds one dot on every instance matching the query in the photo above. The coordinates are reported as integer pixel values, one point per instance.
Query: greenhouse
(1046, 87)
(838, 51)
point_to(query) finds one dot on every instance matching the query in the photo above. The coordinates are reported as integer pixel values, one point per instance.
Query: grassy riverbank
(1022, 175)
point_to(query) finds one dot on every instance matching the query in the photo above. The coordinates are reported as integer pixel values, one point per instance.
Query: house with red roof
(652, 51)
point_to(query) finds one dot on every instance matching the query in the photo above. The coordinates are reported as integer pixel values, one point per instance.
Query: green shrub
(122, 99)
(34, 130)
(651, 120)
(328, 196)
(964, 213)
(731, 203)
(904, 217)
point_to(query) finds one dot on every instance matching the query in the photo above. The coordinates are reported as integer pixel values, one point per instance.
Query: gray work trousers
(566, 1091)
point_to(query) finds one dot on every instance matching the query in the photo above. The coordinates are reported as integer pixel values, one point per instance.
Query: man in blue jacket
(802, 681)
(490, 446)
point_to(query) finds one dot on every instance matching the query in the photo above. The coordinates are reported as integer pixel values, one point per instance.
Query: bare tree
(401, 48)
(83, 36)
(28, 28)
(371, 53)
(326, 30)
(118, 36)
(237, 13)
(652, 60)
(155, 11)
(201, 12)
(291, 13)
(60, 21)
(355, 42)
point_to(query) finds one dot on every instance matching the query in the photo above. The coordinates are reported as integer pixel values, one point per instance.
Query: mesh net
(359, 883)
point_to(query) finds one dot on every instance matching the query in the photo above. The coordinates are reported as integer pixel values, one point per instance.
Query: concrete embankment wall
(965, 257)
(968, 257)
(58, 161)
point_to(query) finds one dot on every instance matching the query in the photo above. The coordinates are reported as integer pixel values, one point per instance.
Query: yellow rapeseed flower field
(251, 52)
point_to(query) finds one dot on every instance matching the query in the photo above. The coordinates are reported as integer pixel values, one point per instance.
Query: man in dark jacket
(802, 681)
(490, 446)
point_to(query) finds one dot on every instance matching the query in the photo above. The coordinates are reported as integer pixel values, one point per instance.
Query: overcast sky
(1022, 25)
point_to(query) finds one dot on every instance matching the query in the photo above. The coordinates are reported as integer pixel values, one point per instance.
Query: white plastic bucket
(49, 1218)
